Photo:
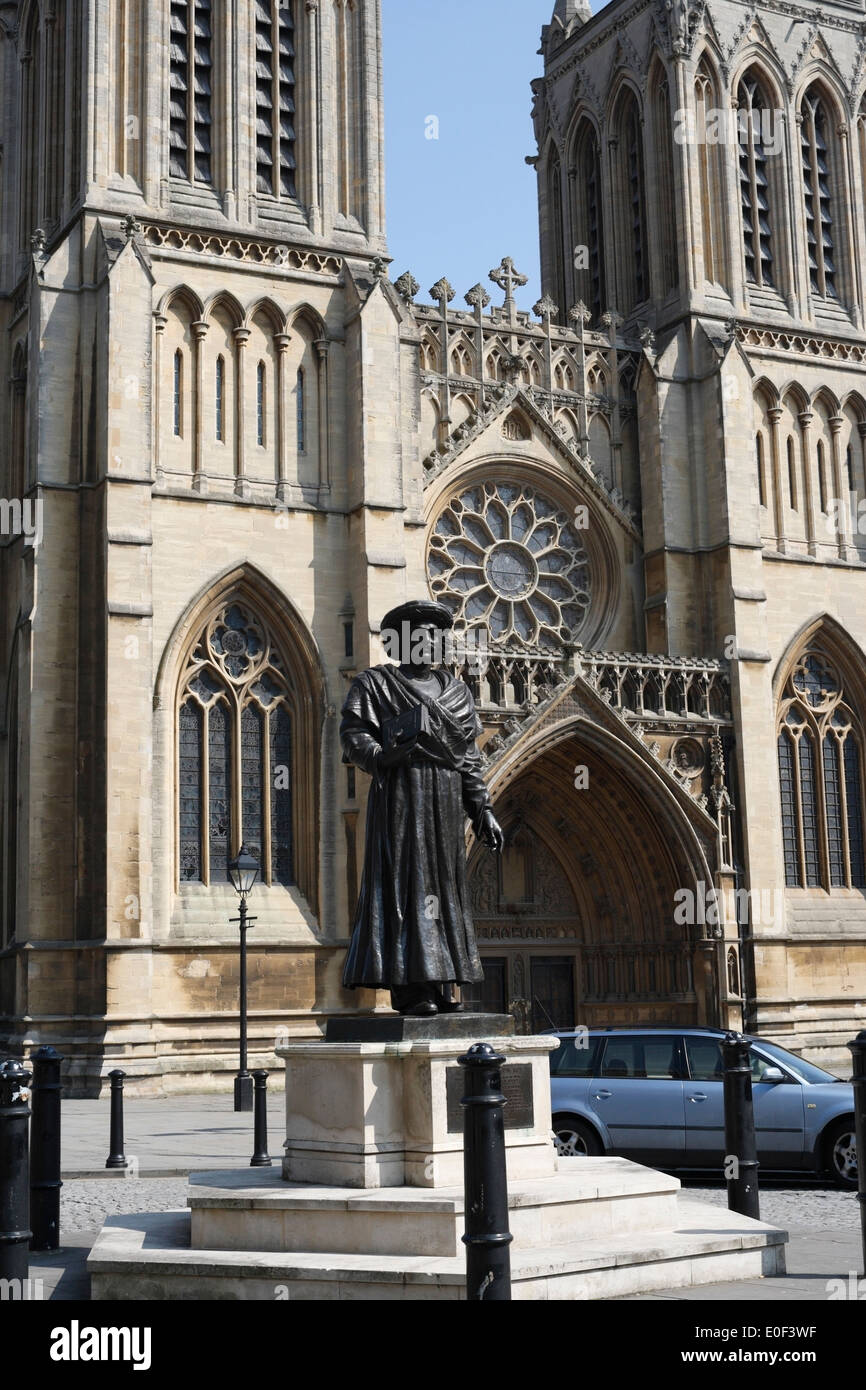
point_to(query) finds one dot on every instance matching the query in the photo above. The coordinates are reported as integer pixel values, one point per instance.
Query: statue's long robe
(413, 922)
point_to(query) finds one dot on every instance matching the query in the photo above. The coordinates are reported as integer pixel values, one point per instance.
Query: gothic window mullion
(205, 799)
(831, 841)
(845, 828)
(267, 782)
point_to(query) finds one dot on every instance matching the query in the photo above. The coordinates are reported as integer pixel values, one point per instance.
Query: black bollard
(743, 1195)
(261, 1158)
(116, 1157)
(14, 1177)
(45, 1181)
(487, 1238)
(858, 1081)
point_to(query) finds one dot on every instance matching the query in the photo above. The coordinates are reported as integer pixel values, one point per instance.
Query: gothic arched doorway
(578, 923)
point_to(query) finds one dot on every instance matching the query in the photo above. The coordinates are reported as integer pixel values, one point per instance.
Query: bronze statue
(413, 728)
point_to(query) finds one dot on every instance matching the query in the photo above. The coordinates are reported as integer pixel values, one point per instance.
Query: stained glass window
(833, 802)
(854, 803)
(506, 556)
(790, 836)
(301, 407)
(281, 795)
(236, 697)
(189, 776)
(219, 792)
(821, 799)
(220, 392)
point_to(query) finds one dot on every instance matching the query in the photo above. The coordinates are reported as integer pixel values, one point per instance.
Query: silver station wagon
(656, 1096)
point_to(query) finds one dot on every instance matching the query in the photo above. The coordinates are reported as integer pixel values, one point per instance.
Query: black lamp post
(243, 873)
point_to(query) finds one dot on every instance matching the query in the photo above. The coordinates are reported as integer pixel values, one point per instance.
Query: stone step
(149, 1256)
(586, 1199)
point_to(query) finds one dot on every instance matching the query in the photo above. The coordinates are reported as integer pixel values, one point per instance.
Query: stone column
(199, 333)
(805, 418)
(775, 414)
(241, 337)
(843, 521)
(160, 321)
(281, 343)
(322, 347)
(313, 114)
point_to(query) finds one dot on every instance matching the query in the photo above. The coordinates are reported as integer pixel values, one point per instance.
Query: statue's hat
(415, 612)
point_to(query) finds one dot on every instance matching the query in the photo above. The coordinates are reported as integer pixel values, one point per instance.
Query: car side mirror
(773, 1074)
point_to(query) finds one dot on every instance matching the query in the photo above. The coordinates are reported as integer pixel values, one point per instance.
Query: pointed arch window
(275, 98)
(819, 203)
(235, 751)
(630, 205)
(191, 90)
(666, 202)
(557, 239)
(792, 474)
(178, 393)
(588, 220)
(220, 398)
(636, 204)
(759, 456)
(755, 194)
(301, 412)
(710, 178)
(821, 780)
(261, 403)
(822, 474)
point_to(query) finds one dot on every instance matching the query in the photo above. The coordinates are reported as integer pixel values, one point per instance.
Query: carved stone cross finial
(508, 278)
(442, 292)
(545, 308)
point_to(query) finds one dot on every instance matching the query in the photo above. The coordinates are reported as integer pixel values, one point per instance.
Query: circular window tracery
(507, 556)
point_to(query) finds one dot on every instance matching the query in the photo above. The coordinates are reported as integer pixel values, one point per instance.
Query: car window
(705, 1059)
(575, 1057)
(762, 1064)
(652, 1057)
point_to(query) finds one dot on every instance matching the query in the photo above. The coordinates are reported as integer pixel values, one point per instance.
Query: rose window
(504, 555)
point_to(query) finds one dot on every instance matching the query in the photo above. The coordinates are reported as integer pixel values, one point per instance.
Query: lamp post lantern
(243, 873)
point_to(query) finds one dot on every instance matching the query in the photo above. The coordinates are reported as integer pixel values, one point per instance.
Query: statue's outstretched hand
(491, 832)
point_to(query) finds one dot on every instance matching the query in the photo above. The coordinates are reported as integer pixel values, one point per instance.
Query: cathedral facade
(234, 439)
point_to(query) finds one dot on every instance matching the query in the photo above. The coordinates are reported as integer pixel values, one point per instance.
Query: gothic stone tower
(702, 171)
(200, 370)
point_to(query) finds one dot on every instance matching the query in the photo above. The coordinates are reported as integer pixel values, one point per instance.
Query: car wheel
(574, 1138)
(841, 1154)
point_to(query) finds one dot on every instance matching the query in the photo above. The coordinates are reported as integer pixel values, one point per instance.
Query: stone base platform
(598, 1228)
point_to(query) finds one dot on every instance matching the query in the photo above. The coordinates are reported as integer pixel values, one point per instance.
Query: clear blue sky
(459, 203)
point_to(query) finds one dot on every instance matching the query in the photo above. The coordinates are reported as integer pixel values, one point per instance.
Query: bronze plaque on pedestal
(518, 1113)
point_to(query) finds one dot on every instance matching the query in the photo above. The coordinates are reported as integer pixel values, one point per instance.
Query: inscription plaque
(518, 1113)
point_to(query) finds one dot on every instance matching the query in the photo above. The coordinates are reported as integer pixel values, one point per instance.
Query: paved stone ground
(173, 1136)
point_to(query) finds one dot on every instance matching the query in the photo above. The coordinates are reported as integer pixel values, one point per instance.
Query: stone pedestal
(383, 1110)
(370, 1204)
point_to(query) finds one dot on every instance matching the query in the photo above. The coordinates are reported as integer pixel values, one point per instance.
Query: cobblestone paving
(86, 1202)
(794, 1207)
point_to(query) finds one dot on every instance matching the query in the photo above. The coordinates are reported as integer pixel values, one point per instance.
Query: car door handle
(698, 1096)
(602, 1095)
